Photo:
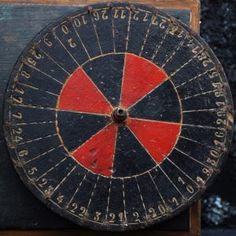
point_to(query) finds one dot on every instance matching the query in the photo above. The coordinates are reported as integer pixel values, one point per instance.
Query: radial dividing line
(148, 93)
(66, 50)
(113, 33)
(108, 200)
(202, 126)
(192, 79)
(123, 78)
(145, 38)
(183, 172)
(128, 31)
(77, 34)
(141, 197)
(37, 139)
(124, 203)
(156, 121)
(198, 94)
(88, 77)
(172, 183)
(174, 51)
(35, 88)
(194, 141)
(57, 109)
(113, 158)
(203, 110)
(53, 60)
(35, 107)
(186, 63)
(34, 123)
(153, 159)
(43, 154)
(157, 189)
(63, 180)
(76, 191)
(52, 168)
(71, 152)
(96, 33)
(42, 72)
(81, 112)
(192, 158)
(92, 194)
(161, 43)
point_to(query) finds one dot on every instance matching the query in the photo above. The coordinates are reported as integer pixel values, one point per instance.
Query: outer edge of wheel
(84, 223)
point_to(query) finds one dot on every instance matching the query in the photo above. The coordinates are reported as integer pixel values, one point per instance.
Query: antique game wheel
(117, 116)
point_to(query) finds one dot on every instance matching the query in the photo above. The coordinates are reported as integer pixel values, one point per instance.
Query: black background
(218, 28)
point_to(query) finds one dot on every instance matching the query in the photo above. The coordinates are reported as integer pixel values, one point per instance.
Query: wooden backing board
(195, 212)
(193, 5)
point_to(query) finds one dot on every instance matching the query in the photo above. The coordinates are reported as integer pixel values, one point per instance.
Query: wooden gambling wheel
(117, 116)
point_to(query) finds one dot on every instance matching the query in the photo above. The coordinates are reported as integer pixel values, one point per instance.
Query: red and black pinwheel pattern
(127, 110)
(117, 116)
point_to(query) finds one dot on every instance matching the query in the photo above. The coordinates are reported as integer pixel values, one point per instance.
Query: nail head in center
(119, 115)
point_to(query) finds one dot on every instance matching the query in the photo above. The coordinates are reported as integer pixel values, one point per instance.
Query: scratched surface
(21, 31)
(170, 132)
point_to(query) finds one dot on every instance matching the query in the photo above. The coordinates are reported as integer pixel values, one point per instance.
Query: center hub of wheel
(119, 115)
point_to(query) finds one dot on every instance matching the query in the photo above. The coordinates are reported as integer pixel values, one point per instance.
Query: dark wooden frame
(192, 5)
(195, 210)
(195, 229)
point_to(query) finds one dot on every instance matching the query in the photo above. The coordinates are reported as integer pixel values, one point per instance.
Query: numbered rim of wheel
(118, 116)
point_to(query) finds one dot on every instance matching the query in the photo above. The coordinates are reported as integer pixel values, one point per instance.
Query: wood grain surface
(195, 229)
(193, 5)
